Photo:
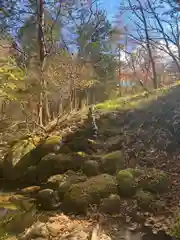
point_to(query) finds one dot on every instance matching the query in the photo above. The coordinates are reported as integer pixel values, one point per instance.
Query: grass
(125, 103)
(134, 101)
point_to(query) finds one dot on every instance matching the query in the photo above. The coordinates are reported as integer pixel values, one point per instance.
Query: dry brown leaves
(62, 227)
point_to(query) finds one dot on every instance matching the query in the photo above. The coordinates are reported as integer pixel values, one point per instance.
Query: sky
(111, 7)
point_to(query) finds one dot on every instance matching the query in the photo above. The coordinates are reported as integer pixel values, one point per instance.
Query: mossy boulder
(136, 172)
(62, 182)
(49, 165)
(54, 182)
(80, 195)
(111, 204)
(76, 177)
(144, 198)
(126, 183)
(155, 181)
(47, 199)
(18, 159)
(113, 161)
(90, 168)
(51, 144)
(53, 164)
(79, 142)
(26, 153)
(30, 175)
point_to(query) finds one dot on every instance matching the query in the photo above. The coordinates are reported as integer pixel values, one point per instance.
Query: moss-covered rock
(62, 182)
(76, 177)
(79, 142)
(53, 164)
(126, 183)
(136, 172)
(91, 191)
(113, 161)
(26, 153)
(52, 142)
(47, 199)
(90, 168)
(30, 175)
(144, 198)
(18, 159)
(111, 204)
(49, 165)
(55, 181)
(155, 181)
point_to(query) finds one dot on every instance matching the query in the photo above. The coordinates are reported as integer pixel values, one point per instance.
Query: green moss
(8, 205)
(62, 182)
(20, 149)
(155, 181)
(76, 177)
(54, 182)
(52, 140)
(76, 200)
(109, 105)
(101, 186)
(81, 154)
(135, 172)
(132, 101)
(113, 161)
(90, 168)
(15, 202)
(119, 103)
(18, 159)
(47, 199)
(91, 191)
(174, 230)
(53, 164)
(144, 198)
(126, 183)
(11, 223)
(113, 155)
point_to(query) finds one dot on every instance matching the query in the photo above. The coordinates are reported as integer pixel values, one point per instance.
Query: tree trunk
(119, 70)
(148, 45)
(44, 115)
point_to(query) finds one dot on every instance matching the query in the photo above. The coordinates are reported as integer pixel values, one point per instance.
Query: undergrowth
(134, 101)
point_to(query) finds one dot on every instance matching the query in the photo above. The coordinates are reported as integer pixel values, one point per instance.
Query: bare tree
(140, 30)
(167, 29)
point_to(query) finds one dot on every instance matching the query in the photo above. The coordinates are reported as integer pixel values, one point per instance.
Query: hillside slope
(129, 172)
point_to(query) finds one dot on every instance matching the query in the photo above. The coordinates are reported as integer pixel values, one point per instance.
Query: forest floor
(152, 136)
(147, 129)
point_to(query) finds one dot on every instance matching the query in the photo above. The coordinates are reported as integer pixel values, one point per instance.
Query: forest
(89, 119)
